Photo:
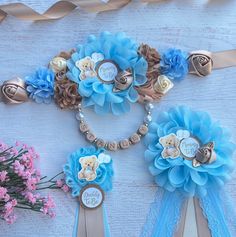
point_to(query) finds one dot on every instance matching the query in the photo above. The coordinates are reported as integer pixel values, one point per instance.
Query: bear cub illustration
(89, 166)
(171, 146)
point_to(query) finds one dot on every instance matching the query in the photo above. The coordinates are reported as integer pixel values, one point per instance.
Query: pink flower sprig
(20, 181)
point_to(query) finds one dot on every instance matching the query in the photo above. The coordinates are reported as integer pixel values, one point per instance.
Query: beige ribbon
(201, 222)
(62, 8)
(224, 59)
(91, 223)
(202, 62)
(59, 9)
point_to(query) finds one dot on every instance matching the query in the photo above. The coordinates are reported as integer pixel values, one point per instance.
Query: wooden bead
(100, 142)
(143, 129)
(135, 138)
(124, 144)
(112, 146)
(90, 137)
(83, 127)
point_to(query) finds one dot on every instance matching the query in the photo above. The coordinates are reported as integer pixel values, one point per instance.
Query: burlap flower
(146, 91)
(66, 93)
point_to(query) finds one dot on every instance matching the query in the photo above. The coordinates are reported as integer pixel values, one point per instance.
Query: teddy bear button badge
(182, 144)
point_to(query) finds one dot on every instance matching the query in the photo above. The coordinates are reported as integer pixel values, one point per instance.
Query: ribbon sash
(59, 9)
(91, 222)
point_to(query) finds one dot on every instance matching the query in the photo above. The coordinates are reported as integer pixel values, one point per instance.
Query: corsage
(190, 156)
(89, 173)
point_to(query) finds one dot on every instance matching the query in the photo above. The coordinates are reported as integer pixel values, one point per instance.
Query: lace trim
(164, 214)
(212, 206)
(229, 211)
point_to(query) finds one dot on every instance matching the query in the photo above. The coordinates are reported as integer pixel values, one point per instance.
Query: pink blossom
(3, 175)
(10, 219)
(3, 146)
(11, 204)
(60, 183)
(7, 198)
(48, 203)
(31, 197)
(18, 168)
(3, 192)
(65, 188)
(52, 214)
(31, 184)
(9, 208)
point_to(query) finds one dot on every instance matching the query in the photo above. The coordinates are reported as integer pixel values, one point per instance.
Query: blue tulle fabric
(71, 169)
(179, 174)
(174, 64)
(123, 51)
(164, 214)
(40, 85)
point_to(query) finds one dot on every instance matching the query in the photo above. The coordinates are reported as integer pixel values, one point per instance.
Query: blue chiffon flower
(40, 85)
(174, 64)
(122, 51)
(73, 166)
(179, 174)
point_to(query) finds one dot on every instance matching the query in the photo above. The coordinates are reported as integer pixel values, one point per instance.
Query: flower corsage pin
(88, 173)
(107, 69)
(190, 157)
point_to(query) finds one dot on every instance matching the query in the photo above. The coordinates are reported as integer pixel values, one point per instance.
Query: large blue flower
(179, 174)
(40, 85)
(71, 169)
(119, 49)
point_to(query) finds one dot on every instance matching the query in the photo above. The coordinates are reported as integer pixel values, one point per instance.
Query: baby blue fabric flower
(179, 174)
(73, 166)
(40, 85)
(174, 64)
(122, 51)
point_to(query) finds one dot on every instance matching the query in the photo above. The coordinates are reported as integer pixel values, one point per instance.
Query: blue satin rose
(122, 51)
(174, 64)
(179, 173)
(40, 85)
(104, 171)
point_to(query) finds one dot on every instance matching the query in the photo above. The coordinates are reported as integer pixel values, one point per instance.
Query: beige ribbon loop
(201, 222)
(91, 222)
(59, 9)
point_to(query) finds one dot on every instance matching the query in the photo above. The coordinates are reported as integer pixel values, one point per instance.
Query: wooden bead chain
(115, 145)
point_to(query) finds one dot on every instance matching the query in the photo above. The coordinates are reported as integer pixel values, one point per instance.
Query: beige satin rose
(163, 84)
(58, 64)
(14, 91)
(200, 63)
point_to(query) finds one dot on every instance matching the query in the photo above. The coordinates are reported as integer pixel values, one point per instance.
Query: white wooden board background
(187, 24)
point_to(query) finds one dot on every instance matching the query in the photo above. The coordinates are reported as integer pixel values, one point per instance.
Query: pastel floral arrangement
(108, 73)
(179, 174)
(104, 172)
(20, 183)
